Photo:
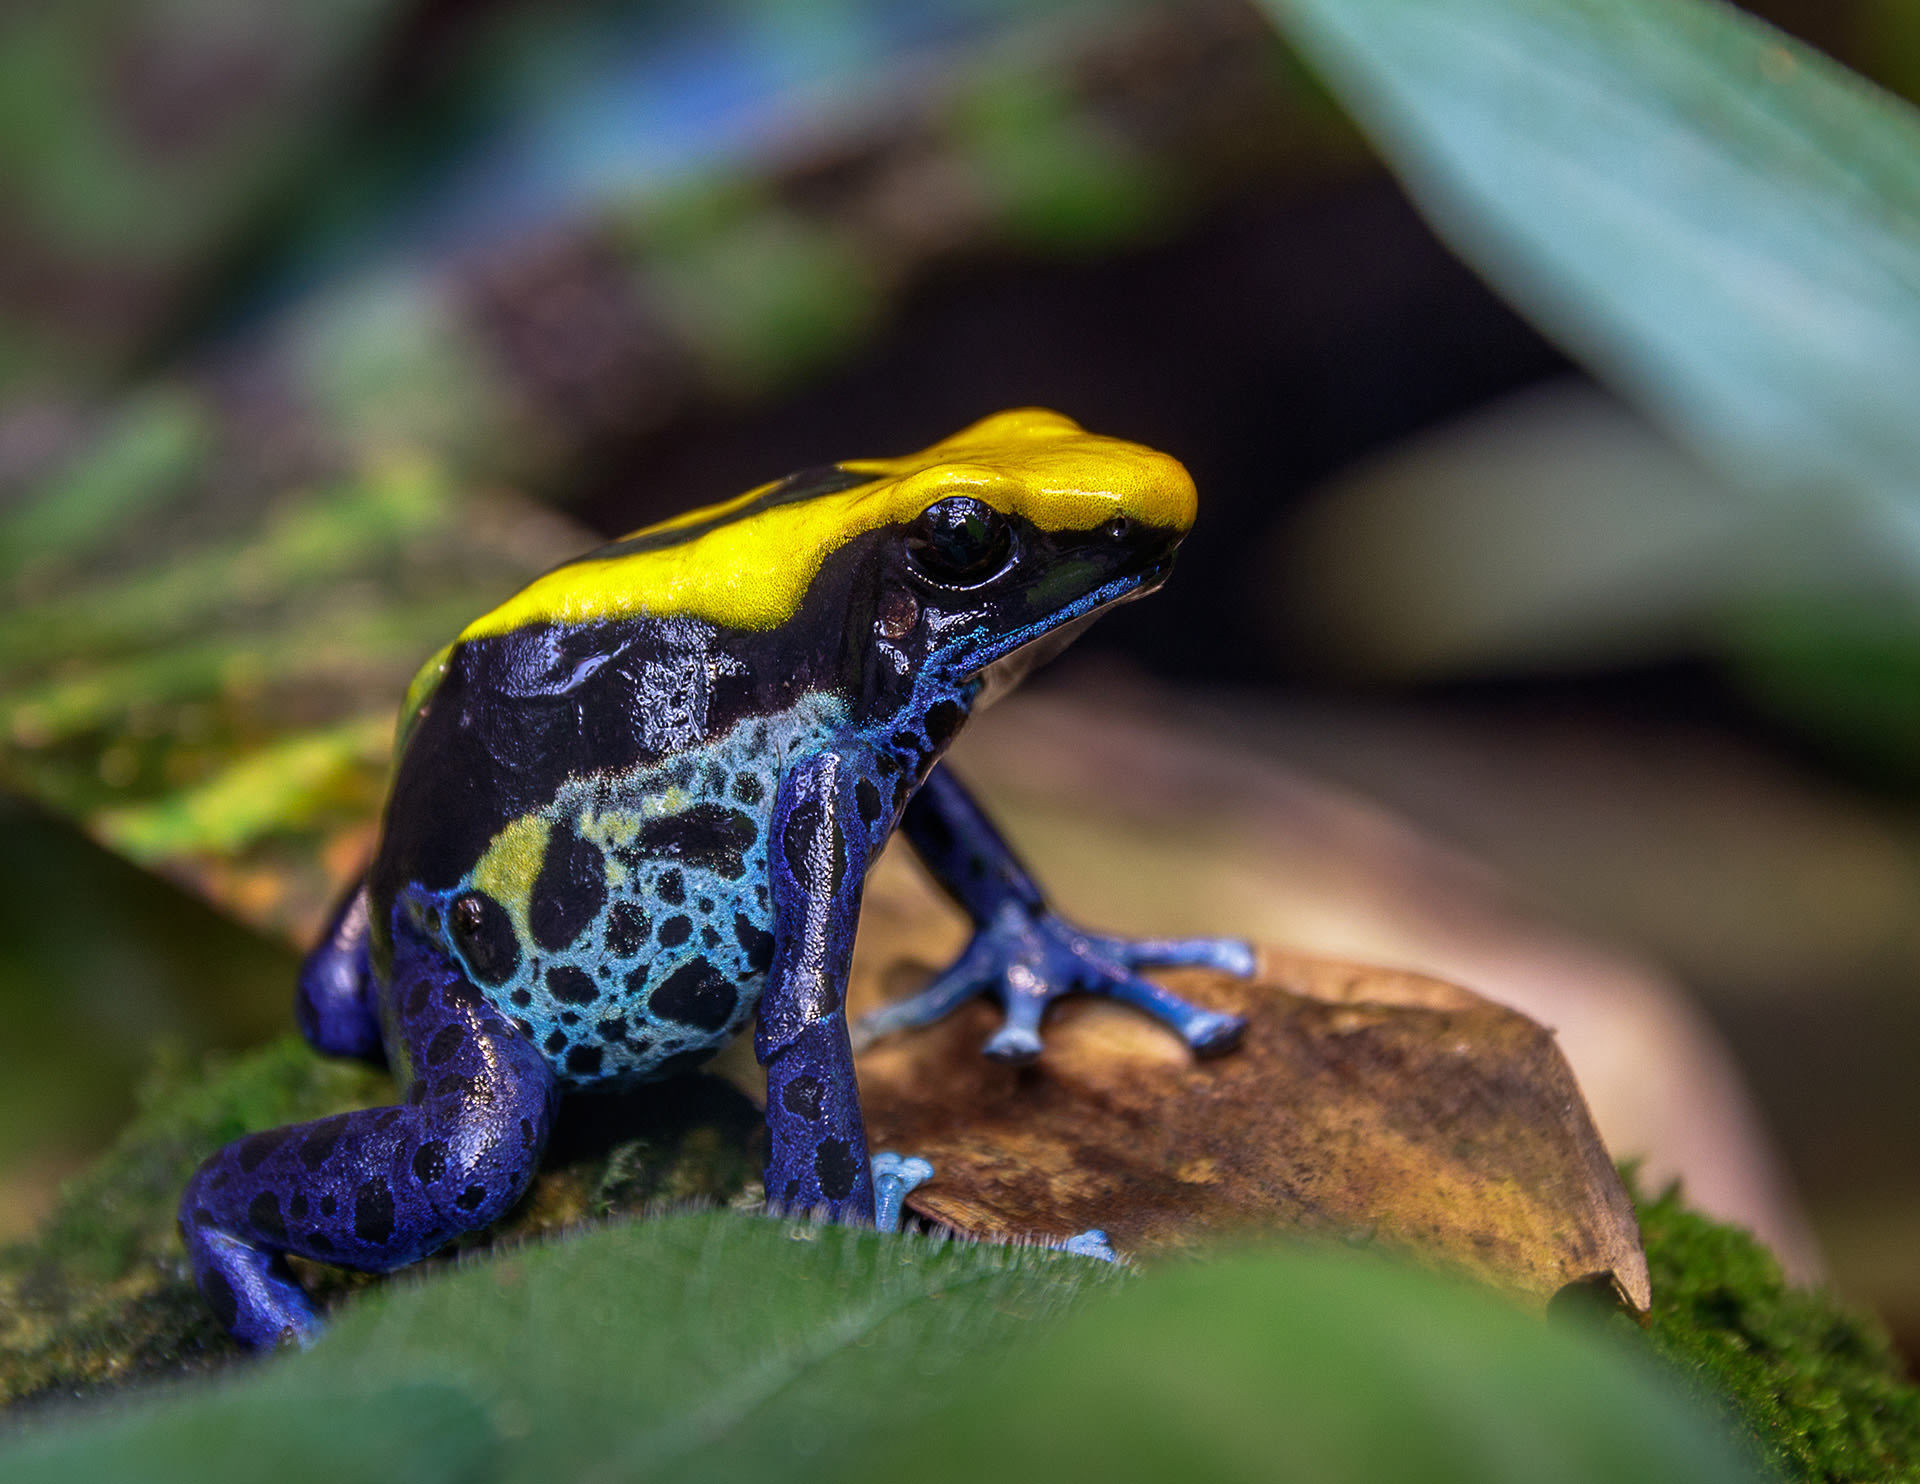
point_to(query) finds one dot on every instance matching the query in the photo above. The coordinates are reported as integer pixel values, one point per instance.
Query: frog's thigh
(384, 1186)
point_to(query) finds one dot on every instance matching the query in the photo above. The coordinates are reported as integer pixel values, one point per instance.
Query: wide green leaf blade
(699, 1346)
(1320, 1367)
(1716, 218)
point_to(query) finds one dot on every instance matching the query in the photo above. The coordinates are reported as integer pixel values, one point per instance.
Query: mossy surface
(102, 1296)
(1815, 1385)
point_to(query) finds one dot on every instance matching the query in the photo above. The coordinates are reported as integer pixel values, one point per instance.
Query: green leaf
(697, 1346)
(1716, 218)
(1322, 1367)
(425, 1434)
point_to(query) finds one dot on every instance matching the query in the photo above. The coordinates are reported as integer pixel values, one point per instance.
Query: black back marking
(676, 930)
(711, 836)
(803, 1096)
(867, 797)
(755, 942)
(569, 891)
(572, 986)
(671, 888)
(627, 929)
(695, 994)
(484, 935)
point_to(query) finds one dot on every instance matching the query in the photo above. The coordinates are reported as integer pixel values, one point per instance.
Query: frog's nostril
(1119, 529)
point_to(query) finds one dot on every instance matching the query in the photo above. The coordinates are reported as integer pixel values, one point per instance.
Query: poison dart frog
(634, 807)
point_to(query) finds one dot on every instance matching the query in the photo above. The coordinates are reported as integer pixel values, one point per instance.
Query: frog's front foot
(1030, 959)
(895, 1177)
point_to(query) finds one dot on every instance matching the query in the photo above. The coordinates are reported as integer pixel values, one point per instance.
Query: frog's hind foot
(251, 1291)
(1030, 959)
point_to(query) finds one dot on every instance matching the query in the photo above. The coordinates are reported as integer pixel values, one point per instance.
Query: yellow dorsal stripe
(753, 570)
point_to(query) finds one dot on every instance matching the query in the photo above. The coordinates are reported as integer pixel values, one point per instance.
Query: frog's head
(1012, 535)
(975, 556)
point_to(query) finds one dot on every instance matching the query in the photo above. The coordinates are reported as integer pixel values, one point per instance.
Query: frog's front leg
(382, 1187)
(1028, 956)
(818, 853)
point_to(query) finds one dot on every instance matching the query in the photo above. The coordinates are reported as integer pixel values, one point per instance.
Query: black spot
(461, 995)
(754, 942)
(572, 986)
(521, 998)
(555, 1043)
(614, 1029)
(320, 1140)
(318, 1242)
(525, 1027)
(219, 1295)
(801, 1097)
(813, 836)
(263, 1214)
(695, 994)
(627, 930)
(708, 835)
(747, 788)
(584, 1061)
(373, 1212)
(836, 1168)
(526, 1133)
(675, 931)
(417, 998)
(446, 1044)
(417, 1093)
(255, 1148)
(637, 980)
(484, 935)
(761, 895)
(868, 799)
(793, 1190)
(569, 1017)
(328, 1205)
(386, 1120)
(297, 1206)
(709, 936)
(942, 720)
(471, 1197)
(904, 742)
(671, 888)
(569, 891)
(430, 1161)
(705, 904)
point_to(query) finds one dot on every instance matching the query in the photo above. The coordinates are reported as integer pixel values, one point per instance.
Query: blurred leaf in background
(1724, 225)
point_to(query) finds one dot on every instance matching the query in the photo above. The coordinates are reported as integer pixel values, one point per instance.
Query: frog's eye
(960, 542)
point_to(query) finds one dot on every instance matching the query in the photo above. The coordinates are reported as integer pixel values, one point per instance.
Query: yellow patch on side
(507, 871)
(751, 572)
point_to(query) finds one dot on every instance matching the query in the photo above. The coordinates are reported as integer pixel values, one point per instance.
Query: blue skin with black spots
(611, 843)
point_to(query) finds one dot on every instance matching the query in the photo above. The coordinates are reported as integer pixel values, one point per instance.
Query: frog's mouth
(1027, 650)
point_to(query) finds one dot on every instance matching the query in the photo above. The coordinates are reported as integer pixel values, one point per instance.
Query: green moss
(1815, 1385)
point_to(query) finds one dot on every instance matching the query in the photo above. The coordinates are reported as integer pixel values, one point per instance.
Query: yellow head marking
(748, 565)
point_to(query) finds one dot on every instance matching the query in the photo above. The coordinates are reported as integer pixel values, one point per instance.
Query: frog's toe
(251, 1291)
(1207, 1032)
(895, 1177)
(974, 973)
(1090, 1243)
(1225, 955)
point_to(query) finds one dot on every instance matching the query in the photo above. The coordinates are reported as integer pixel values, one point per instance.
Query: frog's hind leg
(381, 1187)
(334, 1005)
